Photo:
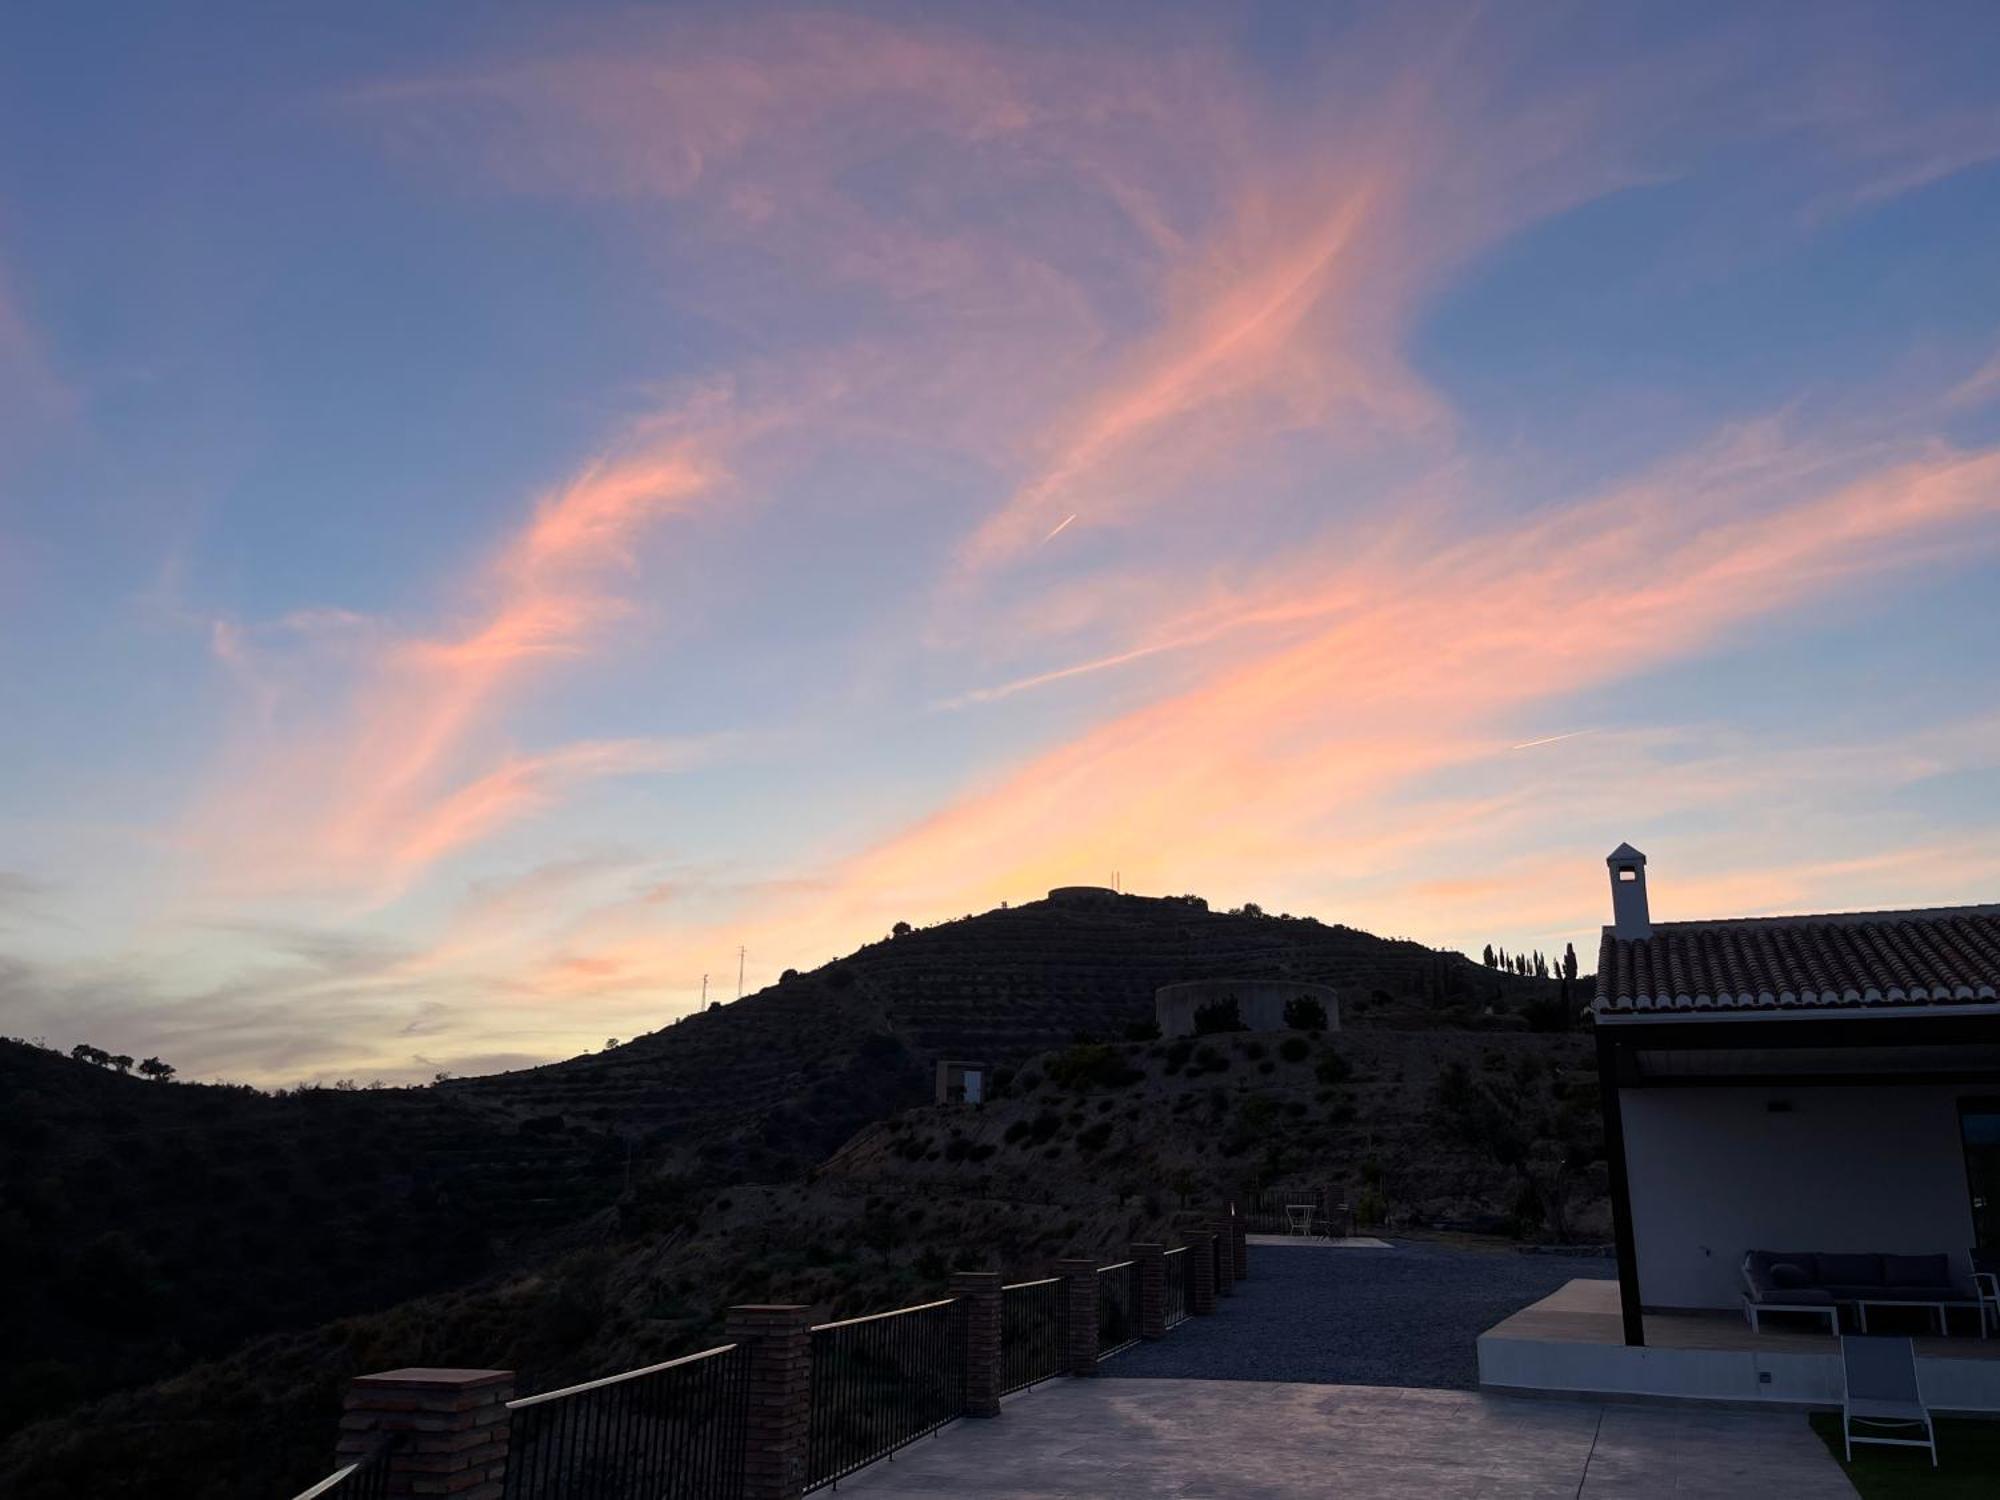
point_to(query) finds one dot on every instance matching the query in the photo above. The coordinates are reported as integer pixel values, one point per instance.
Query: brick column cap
(427, 1376)
(770, 1307)
(975, 1278)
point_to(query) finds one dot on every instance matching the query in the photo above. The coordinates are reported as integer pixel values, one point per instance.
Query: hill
(602, 1210)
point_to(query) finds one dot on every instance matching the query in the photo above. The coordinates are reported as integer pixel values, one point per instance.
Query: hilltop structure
(1259, 1005)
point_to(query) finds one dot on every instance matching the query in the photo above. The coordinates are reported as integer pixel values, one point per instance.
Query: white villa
(1802, 1125)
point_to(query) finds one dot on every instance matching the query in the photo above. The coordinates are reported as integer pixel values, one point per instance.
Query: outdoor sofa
(1823, 1282)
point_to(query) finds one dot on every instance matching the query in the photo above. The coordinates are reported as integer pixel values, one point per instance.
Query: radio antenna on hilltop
(739, 972)
(704, 992)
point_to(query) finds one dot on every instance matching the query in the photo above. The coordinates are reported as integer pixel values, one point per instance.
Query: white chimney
(1629, 916)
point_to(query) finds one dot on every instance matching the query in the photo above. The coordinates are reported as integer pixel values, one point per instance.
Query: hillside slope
(1090, 1147)
(145, 1227)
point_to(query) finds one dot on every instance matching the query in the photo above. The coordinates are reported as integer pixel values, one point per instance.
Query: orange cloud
(1300, 767)
(364, 796)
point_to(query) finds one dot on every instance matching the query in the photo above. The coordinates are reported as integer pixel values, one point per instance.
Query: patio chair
(1299, 1218)
(1882, 1392)
(1986, 1282)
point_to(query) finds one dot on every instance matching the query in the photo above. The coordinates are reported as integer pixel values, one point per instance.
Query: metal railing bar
(895, 1312)
(1118, 1266)
(1022, 1286)
(327, 1483)
(600, 1383)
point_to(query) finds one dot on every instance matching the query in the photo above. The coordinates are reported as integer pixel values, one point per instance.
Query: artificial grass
(1968, 1462)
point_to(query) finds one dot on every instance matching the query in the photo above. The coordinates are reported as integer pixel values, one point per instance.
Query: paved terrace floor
(1233, 1440)
(1404, 1316)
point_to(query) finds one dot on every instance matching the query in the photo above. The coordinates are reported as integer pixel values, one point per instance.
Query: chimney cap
(1625, 854)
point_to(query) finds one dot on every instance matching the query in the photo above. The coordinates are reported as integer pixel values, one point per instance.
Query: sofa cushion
(1757, 1264)
(1789, 1275)
(1916, 1270)
(1850, 1270)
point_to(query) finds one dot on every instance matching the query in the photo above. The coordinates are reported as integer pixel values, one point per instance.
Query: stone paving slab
(1240, 1440)
(1407, 1316)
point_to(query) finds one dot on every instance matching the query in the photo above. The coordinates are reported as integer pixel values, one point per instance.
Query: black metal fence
(1177, 1286)
(1279, 1210)
(671, 1431)
(1117, 1307)
(1034, 1332)
(365, 1479)
(881, 1382)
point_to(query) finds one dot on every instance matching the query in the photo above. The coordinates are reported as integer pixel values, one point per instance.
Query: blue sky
(499, 507)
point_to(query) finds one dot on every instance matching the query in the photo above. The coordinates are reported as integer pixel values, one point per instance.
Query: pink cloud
(404, 767)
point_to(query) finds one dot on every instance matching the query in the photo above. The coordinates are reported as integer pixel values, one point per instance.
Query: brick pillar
(1200, 1273)
(779, 1339)
(979, 1291)
(1080, 1301)
(1152, 1261)
(450, 1429)
(1225, 1256)
(1239, 1241)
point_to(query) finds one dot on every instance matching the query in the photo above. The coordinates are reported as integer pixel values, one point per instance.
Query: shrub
(1209, 1060)
(1096, 1138)
(1178, 1052)
(1294, 1049)
(1143, 1031)
(1332, 1068)
(1305, 1013)
(1089, 1065)
(1017, 1131)
(1254, 1051)
(1218, 1016)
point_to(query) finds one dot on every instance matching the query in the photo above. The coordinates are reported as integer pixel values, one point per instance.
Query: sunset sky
(502, 505)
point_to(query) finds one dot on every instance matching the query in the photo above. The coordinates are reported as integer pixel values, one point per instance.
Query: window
(1626, 872)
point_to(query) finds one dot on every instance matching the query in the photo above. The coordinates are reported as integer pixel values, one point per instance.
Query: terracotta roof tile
(1949, 955)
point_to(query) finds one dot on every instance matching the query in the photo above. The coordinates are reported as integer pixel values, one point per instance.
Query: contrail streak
(1059, 529)
(1552, 739)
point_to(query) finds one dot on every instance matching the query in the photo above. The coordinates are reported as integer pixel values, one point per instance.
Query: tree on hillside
(1569, 961)
(1487, 956)
(154, 1069)
(122, 1062)
(901, 929)
(96, 1056)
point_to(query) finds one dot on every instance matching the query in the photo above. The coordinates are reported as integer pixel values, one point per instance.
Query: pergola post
(1609, 1070)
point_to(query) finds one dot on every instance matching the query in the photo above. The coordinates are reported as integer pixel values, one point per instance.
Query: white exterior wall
(1713, 1173)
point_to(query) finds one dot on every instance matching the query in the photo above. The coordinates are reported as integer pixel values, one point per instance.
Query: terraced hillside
(766, 1086)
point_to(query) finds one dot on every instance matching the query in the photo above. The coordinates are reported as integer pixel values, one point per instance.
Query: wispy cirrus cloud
(406, 764)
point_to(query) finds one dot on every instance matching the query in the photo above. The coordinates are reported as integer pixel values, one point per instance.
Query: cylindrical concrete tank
(1260, 1003)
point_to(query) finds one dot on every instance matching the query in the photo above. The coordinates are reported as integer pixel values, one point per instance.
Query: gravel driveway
(1405, 1316)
